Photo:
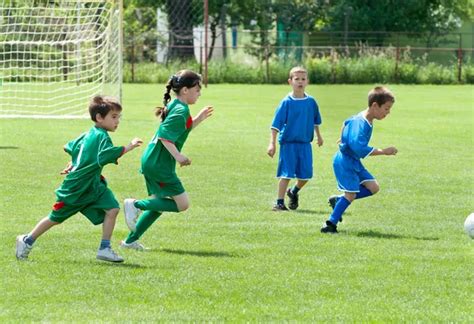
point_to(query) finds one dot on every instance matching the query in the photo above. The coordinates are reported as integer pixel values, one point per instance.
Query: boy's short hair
(297, 69)
(380, 95)
(103, 105)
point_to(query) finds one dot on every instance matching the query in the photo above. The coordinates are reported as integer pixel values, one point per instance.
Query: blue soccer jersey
(355, 137)
(295, 119)
(354, 146)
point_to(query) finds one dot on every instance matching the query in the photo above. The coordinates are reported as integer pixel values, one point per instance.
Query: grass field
(401, 256)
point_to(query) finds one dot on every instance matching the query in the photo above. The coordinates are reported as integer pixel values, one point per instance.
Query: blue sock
(363, 192)
(104, 244)
(341, 206)
(29, 240)
(295, 190)
(280, 201)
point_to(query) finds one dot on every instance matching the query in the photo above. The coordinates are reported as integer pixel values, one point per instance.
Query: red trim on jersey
(189, 122)
(102, 178)
(162, 184)
(58, 205)
(123, 151)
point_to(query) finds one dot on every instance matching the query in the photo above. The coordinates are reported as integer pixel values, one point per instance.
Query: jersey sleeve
(358, 141)
(317, 116)
(108, 153)
(73, 146)
(172, 127)
(281, 113)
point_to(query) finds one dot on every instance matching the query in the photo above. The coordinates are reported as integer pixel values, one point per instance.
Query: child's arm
(180, 158)
(108, 153)
(272, 146)
(202, 115)
(318, 135)
(136, 142)
(386, 151)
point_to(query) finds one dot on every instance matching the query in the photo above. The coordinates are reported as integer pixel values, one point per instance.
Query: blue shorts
(350, 173)
(295, 161)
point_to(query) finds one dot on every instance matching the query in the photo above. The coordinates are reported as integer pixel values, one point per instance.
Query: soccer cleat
(108, 254)
(293, 204)
(131, 213)
(22, 248)
(333, 201)
(279, 207)
(133, 246)
(329, 228)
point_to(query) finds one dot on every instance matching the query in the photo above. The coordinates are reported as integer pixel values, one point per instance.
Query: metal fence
(230, 44)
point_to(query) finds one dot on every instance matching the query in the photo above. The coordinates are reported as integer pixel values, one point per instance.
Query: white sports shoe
(108, 254)
(133, 246)
(131, 213)
(22, 248)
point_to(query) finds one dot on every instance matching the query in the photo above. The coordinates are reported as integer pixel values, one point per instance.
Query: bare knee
(184, 205)
(112, 213)
(374, 187)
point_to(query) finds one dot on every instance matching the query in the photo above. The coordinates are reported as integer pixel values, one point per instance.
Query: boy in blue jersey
(352, 178)
(296, 120)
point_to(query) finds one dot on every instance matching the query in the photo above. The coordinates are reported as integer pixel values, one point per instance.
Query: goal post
(57, 54)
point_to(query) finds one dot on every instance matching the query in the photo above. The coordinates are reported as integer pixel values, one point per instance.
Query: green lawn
(401, 256)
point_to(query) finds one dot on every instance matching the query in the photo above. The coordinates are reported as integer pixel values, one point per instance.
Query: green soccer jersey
(89, 153)
(157, 162)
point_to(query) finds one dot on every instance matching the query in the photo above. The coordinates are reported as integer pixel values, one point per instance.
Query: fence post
(267, 65)
(460, 59)
(397, 58)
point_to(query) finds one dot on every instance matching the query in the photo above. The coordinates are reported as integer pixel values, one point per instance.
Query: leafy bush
(368, 66)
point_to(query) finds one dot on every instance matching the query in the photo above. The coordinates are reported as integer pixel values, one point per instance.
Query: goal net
(57, 54)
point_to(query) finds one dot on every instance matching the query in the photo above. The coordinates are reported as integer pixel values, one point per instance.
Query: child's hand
(136, 142)
(271, 150)
(67, 169)
(320, 141)
(390, 150)
(204, 113)
(183, 160)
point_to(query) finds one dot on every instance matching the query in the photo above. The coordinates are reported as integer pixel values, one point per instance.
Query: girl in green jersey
(158, 163)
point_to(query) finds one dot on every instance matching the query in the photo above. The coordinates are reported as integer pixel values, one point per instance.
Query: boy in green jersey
(84, 189)
(158, 163)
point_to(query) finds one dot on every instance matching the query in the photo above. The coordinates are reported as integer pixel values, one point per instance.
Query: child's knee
(112, 212)
(374, 188)
(182, 206)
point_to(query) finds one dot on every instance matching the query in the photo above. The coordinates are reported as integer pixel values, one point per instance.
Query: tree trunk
(181, 40)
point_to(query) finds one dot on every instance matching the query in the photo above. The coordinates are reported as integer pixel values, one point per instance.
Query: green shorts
(164, 189)
(95, 211)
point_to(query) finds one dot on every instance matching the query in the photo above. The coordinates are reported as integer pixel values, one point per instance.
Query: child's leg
(157, 204)
(341, 206)
(298, 186)
(146, 219)
(109, 223)
(368, 188)
(42, 227)
(282, 186)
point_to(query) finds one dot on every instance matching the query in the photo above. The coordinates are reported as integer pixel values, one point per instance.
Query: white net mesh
(56, 55)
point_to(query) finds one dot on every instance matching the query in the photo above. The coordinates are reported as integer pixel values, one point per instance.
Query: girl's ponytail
(162, 111)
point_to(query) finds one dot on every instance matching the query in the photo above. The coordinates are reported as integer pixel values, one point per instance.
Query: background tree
(430, 17)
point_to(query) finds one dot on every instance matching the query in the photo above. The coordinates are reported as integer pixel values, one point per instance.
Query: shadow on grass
(109, 264)
(310, 211)
(202, 253)
(9, 147)
(374, 234)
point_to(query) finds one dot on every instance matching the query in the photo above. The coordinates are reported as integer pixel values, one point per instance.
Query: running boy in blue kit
(352, 177)
(296, 120)
(84, 189)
